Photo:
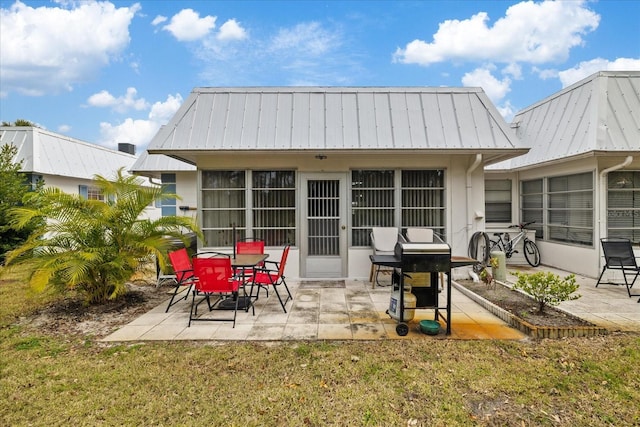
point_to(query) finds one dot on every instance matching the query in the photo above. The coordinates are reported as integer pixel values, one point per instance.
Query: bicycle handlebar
(521, 225)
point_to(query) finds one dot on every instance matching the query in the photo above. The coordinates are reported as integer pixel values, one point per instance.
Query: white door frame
(330, 265)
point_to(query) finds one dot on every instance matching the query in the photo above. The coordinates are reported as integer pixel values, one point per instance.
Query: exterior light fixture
(320, 156)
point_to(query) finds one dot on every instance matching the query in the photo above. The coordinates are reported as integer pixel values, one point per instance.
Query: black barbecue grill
(413, 257)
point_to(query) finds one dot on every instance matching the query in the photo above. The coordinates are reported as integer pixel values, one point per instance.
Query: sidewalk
(352, 310)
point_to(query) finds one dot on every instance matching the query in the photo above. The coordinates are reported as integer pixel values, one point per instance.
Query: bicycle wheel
(531, 253)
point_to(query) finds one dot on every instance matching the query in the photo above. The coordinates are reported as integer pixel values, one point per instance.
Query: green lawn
(48, 380)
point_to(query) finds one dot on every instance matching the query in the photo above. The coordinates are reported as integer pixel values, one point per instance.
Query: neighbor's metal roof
(152, 165)
(598, 114)
(336, 118)
(49, 153)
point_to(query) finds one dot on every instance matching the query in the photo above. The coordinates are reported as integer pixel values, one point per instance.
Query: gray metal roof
(271, 119)
(152, 165)
(599, 114)
(49, 153)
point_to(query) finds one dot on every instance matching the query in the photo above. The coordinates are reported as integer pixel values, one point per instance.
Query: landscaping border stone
(533, 331)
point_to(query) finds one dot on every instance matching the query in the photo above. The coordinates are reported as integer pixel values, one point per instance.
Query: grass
(47, 380)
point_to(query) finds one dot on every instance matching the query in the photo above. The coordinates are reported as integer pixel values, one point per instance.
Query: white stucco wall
(461, 218)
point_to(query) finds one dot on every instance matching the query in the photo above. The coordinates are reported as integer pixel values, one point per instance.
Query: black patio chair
(618, 255)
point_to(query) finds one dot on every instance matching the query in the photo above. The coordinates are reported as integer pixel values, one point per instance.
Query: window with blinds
(497, 200)
(388, 198)
(531, 205)
(372, 203)
(570, 209)
(423, 200)
(623, 205)
(274, 207)
(260, 204)
(224, 197)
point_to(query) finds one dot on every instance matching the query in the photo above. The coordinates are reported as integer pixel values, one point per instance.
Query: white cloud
(310, 39)
(64, 128)
(50, 49)
(140, 131)
(495, 89)
(187, 25)
(159, 20)
(529, 32)
(231, 30)
(120, 104)
(586, 68)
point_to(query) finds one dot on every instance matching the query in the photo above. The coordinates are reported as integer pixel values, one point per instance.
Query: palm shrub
(94, 246)
(547, 288)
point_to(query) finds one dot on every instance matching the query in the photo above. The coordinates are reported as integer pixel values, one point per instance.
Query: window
(223, 206)
(497, 200)
(570, 209)
(381, 198)
(532, 205)
(260, 204)
(91, 193)
(623, 205)
(274, 207)
(372, 203)
(423, 198)
(168, 205)
(33, 180)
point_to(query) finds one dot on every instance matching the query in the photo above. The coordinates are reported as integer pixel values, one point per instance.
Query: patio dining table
(242, 262)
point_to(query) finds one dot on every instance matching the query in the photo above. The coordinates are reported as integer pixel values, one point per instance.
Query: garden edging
(526, 327)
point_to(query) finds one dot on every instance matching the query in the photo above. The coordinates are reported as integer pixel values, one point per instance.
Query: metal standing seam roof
(598, 114)
(335, 118)
(48, 153)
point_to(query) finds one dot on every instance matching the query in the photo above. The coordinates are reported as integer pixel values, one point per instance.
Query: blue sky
(108, 72)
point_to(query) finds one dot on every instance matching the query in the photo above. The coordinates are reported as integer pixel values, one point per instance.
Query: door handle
(344, 227)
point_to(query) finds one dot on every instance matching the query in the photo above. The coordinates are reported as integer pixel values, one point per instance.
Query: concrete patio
(352, 310)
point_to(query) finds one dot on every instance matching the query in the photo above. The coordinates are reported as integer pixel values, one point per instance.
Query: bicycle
(508, 245)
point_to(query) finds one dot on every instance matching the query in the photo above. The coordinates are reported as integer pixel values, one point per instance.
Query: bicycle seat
(497, 234)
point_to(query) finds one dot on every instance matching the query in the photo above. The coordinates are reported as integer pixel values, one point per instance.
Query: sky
(108, 72)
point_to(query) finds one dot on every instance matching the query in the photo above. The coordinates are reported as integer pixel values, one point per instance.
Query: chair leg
(601, 274)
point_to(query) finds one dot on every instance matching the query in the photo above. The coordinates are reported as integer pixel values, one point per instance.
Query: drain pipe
(603, 192)
(472, 168)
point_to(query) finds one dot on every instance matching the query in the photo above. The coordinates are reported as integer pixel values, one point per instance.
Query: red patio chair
(273, 276)
(183, 271)
(251, 246)
(214, 279)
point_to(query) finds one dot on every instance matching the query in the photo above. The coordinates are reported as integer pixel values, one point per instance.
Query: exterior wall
(461, 220)
(587, 261)
(70, 185)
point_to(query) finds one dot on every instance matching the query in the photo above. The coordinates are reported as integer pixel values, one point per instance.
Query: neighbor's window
(372, 203)
(423, 196)
(91, 193)
(623, 205)
(497, 200)
(168, 205)
(531, 205)
(570, 209)
(274, 207)
(223, 206)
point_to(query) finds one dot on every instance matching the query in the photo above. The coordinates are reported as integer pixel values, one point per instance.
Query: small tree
(547, 288)
(13, 190)
(94, 246)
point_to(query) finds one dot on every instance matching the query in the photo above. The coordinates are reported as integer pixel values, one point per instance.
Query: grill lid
(409, 248)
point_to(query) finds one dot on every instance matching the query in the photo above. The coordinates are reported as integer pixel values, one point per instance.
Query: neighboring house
(318, 167)
(580, 181)
(66, 163)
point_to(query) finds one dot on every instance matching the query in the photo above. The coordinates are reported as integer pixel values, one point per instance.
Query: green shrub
(547, 288)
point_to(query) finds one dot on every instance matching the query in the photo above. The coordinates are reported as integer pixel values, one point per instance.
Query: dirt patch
(521, 305)
(72, 317)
